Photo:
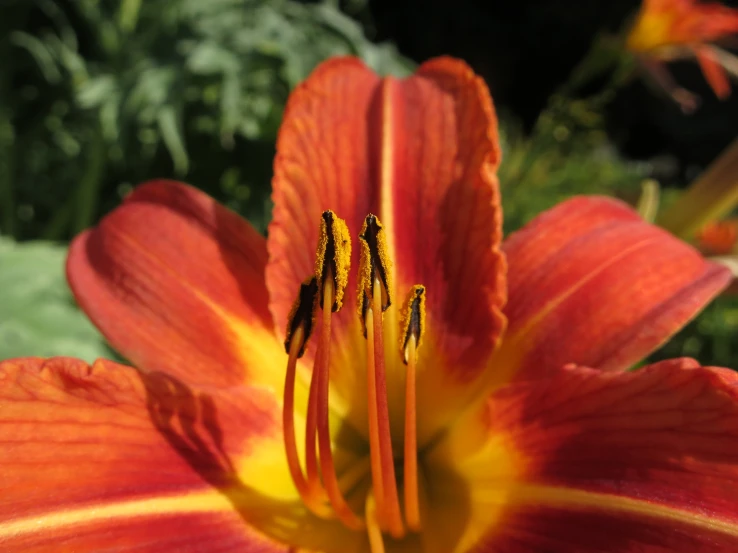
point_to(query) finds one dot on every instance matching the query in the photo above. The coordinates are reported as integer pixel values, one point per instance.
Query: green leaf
(170, 127)
(44, 58)
(38, 316)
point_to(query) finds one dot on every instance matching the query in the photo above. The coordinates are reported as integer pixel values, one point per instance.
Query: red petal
(175, 281)
(644, 461)
(103, 458)
(445, 206)
(707, 22)
(714, 73)
(592, 283)
(420, 153)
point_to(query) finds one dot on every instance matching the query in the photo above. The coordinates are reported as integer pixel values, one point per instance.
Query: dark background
(525, 49)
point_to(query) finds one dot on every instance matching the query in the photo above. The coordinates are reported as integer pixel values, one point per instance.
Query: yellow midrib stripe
(512, 348)
(553, 496)
(193, 502)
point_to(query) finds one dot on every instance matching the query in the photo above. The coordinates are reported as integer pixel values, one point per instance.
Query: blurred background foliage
(99, 95)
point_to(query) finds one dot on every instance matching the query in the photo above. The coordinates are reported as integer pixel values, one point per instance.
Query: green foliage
(38, 316)
(567, 153)
(710, 338)
(120, 92)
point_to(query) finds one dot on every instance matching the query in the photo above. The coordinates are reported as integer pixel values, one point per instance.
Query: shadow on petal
(189, 421)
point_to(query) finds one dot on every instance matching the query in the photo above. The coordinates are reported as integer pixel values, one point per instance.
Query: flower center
(318, 483)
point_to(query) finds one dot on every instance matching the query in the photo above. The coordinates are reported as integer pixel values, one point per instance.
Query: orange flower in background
(718, 237)
(701, 214)
(458, 393)
(669, 29)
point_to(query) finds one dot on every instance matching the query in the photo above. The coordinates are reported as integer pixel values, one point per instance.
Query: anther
(413, 320)
(374, 264)
(412, 325)
(302, 316)
(333, 257)
(299, 328)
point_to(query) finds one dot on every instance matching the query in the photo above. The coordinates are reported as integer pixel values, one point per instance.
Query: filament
(374, 447)
(328, 471)
(412, 509)
(374, 531)
(391, 504)
(311, 500)
(314, 485)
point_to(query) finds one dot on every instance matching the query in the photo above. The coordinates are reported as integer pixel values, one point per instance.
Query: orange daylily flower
(458, 393)
(719, 241)
(670, 29)
(718, 237)
(699, 214)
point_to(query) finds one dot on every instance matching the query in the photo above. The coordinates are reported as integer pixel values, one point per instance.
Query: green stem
(128, 15)
(712, 196)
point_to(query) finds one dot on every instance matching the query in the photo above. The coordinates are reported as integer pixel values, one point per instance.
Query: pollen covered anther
(333, 257)
(374, 266)
(413, 320)
(302, 315)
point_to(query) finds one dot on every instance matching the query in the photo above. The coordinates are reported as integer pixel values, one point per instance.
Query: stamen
(328, 470)
(413, 323)
(374, 298)
(332, 262)
(299, 329)
(319, 488)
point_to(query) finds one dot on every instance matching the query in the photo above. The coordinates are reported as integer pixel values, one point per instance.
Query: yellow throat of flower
(318, 484)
